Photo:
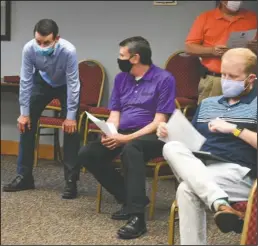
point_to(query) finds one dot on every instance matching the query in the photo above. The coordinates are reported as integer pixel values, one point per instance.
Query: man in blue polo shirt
(49, 70)
(142, 97)
(229, 123)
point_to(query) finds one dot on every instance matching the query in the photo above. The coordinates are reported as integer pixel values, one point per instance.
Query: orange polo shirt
(211, 29)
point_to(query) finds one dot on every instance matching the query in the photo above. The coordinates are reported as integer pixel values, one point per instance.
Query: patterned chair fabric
(186, 70)
(54, 103)
(51, 121)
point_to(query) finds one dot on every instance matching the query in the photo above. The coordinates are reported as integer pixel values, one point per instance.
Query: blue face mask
(232, 88)
(46, 51)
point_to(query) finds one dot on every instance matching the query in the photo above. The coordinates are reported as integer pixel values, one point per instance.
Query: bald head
(240, 61)
(239, 65)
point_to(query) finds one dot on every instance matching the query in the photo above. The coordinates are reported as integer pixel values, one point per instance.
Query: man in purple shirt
(142, 97)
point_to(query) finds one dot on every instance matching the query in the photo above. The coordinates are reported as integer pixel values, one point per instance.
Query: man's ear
(57, 37)
(135, 59)
(252, 78)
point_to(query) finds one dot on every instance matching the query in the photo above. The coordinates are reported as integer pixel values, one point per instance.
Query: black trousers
(42, 94)
(129, 188)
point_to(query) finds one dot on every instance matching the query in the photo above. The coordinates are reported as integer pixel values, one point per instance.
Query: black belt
(128, 131)
(213, 74)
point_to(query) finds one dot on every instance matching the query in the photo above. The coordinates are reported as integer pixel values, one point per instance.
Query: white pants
(200, 186)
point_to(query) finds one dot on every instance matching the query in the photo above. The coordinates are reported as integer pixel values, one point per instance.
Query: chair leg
(171, 223)
(36, 148)
(99, 195)
(59, 151)
(154, 191)
(85, 135)
(56, 140)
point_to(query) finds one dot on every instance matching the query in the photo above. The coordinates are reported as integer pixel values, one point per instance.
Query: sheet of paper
(240, 39)
(108, 128)
(181, 130)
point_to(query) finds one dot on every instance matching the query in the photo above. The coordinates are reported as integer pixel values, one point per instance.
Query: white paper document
(240, 39)
(181, 130)
(106, 127)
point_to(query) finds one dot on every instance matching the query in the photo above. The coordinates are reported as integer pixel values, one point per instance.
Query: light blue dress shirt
(58, 69)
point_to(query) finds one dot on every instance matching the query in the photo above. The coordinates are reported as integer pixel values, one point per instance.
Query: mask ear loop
(248, 83)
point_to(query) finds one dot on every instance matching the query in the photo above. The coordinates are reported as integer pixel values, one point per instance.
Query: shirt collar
(247, 99)
(56, 48)
(148, 75)
(219, 14)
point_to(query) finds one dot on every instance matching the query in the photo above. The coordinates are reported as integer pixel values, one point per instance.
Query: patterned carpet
(42, 217)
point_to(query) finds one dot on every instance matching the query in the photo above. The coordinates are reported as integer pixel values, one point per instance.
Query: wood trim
(46, 151)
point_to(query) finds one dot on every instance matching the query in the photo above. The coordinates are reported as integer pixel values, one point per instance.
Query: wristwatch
(236, 132)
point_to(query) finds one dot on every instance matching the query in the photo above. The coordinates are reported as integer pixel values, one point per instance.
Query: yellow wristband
(237, 132)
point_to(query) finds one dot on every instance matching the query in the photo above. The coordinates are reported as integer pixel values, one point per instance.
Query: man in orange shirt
(208, 38)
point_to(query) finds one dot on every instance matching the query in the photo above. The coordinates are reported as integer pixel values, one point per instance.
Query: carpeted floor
(42, 217)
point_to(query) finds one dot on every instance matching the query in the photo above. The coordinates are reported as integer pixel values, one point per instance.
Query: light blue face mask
(232, 88)
(46, 51)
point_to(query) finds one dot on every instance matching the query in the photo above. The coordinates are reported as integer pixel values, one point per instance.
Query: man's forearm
(73, 95)
(115, 122)
(150, 128)
(249, 137)
(199, 50)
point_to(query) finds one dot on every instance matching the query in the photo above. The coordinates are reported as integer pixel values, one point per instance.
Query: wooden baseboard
(8, 147)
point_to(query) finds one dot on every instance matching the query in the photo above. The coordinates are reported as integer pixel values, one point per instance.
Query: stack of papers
(106, 127)
(241, 39)
(181, 130)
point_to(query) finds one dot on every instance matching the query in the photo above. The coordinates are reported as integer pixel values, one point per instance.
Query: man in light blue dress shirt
(49, 70)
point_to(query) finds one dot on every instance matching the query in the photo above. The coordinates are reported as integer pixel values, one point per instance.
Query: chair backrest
(92, 78)
(186, 70)
(249, 234)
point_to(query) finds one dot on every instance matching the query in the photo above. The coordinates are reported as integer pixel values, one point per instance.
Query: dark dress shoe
(135, 227)
(20, 183)
(228, 219)
(121, 214)
(70, 190)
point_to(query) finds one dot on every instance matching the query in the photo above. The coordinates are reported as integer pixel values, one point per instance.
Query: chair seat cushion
(51, 121)
(54, 103)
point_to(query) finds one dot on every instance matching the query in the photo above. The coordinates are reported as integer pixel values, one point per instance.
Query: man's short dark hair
(45, 27)
(138, 45)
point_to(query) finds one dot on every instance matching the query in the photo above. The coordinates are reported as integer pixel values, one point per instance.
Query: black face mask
(125, 65)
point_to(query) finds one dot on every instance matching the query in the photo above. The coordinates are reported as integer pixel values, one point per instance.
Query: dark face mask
(125, 65)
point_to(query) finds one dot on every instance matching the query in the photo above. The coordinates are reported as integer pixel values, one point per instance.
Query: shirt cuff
(71, 115)
(25, 111)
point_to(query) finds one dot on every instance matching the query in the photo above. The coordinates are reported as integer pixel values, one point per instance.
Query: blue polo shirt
(227, 146)
(139, 101)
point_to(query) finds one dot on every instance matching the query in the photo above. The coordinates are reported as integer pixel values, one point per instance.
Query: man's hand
(22, 122)
(219, 50)
(115, 141)
(162, 130)
(69, 126)
(252, 45)
(221, 126)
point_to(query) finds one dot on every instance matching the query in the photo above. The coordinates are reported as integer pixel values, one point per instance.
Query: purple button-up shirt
(139, 101)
